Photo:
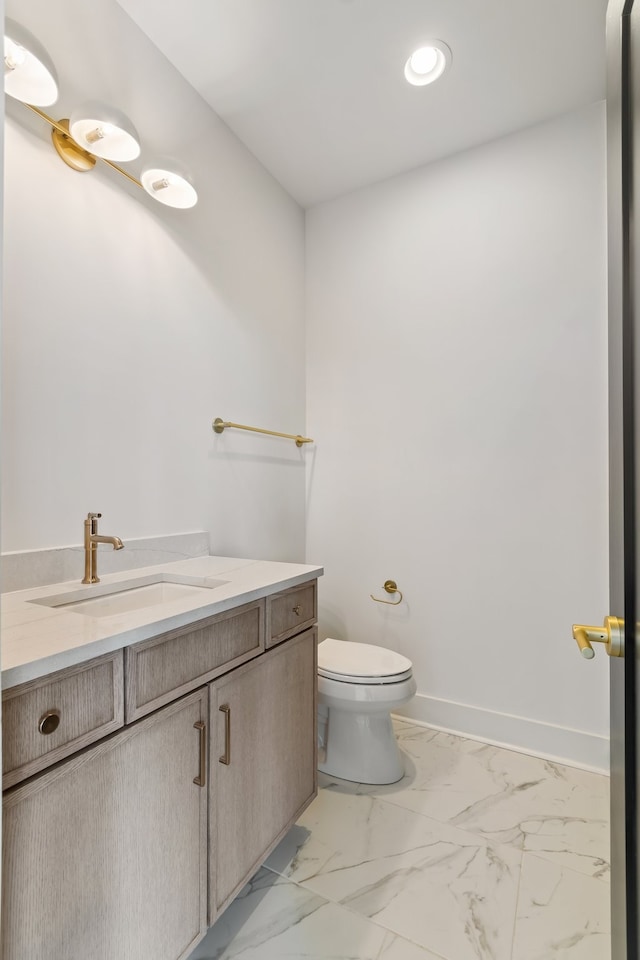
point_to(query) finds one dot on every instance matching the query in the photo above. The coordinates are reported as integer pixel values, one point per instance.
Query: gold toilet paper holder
(391, 587)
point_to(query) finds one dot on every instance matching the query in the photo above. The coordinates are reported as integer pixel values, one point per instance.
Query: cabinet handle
(226, 756)
(297, 609)
(201, 779)
(49, 722)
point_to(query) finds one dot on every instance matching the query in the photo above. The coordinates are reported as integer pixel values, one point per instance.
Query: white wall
(457, 393)
(456, 380)
(129, 327)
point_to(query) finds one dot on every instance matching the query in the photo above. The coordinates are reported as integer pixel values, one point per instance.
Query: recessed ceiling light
(427, 63)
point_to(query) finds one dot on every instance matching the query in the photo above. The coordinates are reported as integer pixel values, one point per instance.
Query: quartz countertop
(37, 639)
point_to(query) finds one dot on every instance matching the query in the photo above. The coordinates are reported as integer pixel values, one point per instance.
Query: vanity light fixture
(94, 130)
(170, 184)
(427, 63)
(29, 74)
(104, 131)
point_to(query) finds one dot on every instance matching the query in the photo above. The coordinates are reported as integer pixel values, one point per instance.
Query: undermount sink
(108, 600)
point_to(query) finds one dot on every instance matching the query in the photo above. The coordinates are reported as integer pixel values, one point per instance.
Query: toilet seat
(354, 678)
(348, 662)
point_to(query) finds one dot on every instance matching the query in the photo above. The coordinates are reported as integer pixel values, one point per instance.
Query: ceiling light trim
(427, 63)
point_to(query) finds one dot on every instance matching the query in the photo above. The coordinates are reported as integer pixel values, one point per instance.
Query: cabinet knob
(49, 722)
(297, 609)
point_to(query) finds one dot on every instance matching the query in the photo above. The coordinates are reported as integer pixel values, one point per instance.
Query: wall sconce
(94, 130)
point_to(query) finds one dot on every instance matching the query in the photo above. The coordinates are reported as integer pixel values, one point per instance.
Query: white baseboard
(575, 748)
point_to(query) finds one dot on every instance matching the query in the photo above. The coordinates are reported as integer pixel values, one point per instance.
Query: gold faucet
(91, 540)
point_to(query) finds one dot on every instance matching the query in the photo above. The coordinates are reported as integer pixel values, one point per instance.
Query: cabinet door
(104, 856)
(271, 774)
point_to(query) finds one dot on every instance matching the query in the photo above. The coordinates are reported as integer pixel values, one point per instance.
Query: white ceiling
(315, 88)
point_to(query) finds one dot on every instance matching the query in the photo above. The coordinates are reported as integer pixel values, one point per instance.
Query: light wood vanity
(144, 787)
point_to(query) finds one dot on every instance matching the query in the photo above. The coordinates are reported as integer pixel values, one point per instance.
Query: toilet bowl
(358, 686)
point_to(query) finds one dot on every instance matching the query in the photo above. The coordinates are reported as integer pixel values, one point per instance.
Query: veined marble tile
(562, 915)
(407, 730)
(582, 844)
(272, 919)
(560, 813)
(336, 785)
(440, 887)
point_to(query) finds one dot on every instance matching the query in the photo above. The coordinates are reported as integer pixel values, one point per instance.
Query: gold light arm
(114, 166)
(219, 425)
(45, 116)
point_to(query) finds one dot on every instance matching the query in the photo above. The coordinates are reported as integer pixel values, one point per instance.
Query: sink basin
(133, 599)
(108, 600)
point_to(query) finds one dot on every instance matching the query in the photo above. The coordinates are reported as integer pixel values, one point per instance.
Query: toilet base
(361, 747)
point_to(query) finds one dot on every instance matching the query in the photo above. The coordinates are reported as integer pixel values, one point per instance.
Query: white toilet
(358, 687)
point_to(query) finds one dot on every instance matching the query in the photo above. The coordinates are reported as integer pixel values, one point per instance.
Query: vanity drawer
(164, 668)
(291, 612)
(47, 719)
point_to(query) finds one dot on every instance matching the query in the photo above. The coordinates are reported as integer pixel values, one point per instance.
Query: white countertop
(36, 639)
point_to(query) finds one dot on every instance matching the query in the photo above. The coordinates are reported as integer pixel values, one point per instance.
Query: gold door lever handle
(611, 633)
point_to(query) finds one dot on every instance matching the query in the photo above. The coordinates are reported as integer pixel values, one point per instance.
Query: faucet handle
(91, 526)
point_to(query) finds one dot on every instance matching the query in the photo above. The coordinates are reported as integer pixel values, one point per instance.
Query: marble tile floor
(478, 853)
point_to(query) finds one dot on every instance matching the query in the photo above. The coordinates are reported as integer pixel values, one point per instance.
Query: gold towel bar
(219, 425)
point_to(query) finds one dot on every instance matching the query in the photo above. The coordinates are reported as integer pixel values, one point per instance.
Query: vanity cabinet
(104, 855)
(262, 761)
(50, 718)
(134, 844)
(290, 612)
(162, 668)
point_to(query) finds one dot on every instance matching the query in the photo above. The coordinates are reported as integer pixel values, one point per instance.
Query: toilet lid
(361, 662)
